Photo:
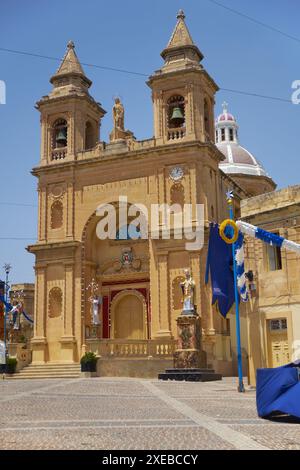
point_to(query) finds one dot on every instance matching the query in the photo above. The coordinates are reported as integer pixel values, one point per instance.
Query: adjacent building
(274, 307)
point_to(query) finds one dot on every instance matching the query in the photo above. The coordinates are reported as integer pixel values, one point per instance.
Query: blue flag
(219, 265)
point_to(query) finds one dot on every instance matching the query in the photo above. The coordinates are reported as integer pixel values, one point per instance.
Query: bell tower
(70, 117)
(182, 91)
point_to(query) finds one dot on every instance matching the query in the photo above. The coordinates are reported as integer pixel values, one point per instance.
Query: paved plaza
(119, 413)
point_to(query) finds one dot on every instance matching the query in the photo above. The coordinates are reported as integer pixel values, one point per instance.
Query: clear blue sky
(130, 35)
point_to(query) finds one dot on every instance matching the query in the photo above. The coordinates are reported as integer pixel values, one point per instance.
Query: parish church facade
(191, 159)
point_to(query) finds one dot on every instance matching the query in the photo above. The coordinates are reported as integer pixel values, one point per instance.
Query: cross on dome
(225, 107)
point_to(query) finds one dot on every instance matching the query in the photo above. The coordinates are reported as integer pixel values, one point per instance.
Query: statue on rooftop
(118, 115)
(119, 132)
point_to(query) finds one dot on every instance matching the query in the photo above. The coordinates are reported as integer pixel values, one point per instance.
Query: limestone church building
(191, 159)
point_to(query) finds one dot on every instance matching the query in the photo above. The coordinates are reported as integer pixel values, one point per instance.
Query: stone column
(70, 211)
(43, 206)
(39, 341)
(164, 304)
(68, 340)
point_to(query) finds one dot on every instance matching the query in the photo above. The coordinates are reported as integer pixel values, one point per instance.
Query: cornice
(156, 152)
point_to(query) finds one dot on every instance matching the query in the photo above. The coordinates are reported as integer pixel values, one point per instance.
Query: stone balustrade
(59, 154)
(176, 133)
(131, 348)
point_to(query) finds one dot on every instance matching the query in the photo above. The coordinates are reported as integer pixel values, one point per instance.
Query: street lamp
(7, 268)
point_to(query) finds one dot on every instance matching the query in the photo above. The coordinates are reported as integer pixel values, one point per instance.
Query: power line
(41, 56)
(112, 69)
(254, 20)
(17, 204)
(267, 97)
(17, 238)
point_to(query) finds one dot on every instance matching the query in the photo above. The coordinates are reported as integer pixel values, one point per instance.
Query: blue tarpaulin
(278, 390)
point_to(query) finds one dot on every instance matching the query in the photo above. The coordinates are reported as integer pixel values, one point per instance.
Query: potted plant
(11, 365)
(88, 362)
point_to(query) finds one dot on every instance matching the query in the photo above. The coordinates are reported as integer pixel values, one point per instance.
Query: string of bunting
(267, 237)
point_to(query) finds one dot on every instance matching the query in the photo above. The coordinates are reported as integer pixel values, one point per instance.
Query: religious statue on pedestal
(118, 115)
(96, 302)
(188, 294)
(119, 132)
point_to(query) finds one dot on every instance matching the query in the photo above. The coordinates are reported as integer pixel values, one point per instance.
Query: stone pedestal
(188, 354)
(189, 359)
(39, 347)
(120, 134)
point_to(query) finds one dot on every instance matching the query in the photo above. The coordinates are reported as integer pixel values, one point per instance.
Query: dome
(238, 160)
(225, 116)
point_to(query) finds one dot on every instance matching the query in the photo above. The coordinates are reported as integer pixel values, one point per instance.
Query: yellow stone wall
(277, 293)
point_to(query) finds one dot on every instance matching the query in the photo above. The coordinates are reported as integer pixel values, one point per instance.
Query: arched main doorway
(128, 314)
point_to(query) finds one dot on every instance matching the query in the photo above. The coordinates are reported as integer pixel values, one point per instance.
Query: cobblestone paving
(105, 413)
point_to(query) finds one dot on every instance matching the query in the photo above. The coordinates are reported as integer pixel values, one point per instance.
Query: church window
(177, 195)
(55, 302)
(274, 260)
(56, 215)
(206, 117)
(90, 137)
(231, 134)
(128, 232)
(216, 136)
(223, 134)
(60, 134)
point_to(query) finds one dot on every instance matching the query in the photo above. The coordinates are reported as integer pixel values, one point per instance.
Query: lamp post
(241, 387)
(7, 268)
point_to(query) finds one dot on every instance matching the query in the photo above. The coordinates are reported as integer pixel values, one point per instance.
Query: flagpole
(7, 268)
(241, 387)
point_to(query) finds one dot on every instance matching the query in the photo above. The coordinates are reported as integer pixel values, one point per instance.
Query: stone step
(173, 371)
(186, 375)
(18, 376)
(49, 372)
(50, 366)
(38, 369)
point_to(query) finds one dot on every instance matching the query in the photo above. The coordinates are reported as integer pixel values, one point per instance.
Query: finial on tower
(180, 15)
(225, 107)
(71, 45)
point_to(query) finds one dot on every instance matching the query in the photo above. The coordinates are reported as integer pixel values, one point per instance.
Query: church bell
(177, 117)
(61, 137)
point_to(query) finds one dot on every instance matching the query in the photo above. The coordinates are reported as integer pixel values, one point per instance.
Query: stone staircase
(47, 371)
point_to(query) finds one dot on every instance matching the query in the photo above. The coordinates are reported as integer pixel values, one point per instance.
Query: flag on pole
(219, 266)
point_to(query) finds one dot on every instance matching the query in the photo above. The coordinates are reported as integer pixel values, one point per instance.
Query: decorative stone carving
(188, 354)
(57, 215)
(55, 302)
